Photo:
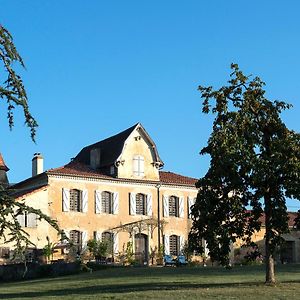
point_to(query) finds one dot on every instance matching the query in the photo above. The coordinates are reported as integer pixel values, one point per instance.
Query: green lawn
(156, 283)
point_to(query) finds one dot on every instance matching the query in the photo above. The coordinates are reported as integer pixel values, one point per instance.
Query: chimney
(37, 164)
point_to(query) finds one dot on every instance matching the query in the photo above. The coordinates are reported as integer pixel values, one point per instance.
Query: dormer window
(138, 165)
(112, 170)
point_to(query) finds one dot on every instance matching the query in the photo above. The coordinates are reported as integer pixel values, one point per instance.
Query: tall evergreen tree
(255, 162)
(13, 92)
(12, 89)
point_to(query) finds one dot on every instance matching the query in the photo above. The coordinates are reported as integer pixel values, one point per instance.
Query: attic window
(112, 170)
(138, 165)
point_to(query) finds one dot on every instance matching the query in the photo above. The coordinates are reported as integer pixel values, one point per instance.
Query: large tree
(13, 92)
(254, 167)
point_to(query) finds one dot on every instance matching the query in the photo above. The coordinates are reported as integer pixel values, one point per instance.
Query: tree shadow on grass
(129, 288)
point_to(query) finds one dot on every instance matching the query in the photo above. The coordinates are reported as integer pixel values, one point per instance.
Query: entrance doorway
(141, 248)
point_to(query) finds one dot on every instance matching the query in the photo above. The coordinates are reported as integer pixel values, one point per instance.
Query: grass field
(161, 283)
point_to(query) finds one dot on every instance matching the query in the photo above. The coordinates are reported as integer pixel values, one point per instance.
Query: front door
(141, 248)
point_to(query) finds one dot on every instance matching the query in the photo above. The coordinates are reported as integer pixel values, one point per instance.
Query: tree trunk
(270, 273)
(269, 259)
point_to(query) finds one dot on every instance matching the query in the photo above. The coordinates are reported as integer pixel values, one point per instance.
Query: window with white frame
(108, 238)
(138, 165)
(173, 206)
(76, 239)
(106, 202)
(174, 244)
(140, 202)
(74, 200)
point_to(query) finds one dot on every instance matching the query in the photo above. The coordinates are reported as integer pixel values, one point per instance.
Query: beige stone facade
(119, 196)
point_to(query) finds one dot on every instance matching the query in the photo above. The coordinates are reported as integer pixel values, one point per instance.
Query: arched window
(75, 200)
(76, 239)
(138, 165)
(174, 244)
(174, 206)
(106, 202)
(108, 237)
(140, 200)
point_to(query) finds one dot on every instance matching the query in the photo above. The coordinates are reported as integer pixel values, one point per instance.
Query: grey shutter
(31, 220)
(141, 166)
(84, 201)
(167, 244)
(65, 199)
(116, 243)
(98, 202)
(181, 207)
(84, 239)
(21, 220)
(132, 204)
(135, 166)
(98, 235)
(181, 244)
(149, 205)
(191, 202)
(166, 206)
(115, 196)
(67, 234)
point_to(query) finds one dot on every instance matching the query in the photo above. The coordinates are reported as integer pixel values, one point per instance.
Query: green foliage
(10, 229)
(12, 90)
(98, 248)
(48, 249)
(255, 162)
(129, 254)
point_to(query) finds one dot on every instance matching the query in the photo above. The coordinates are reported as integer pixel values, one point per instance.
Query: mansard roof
(112, 147)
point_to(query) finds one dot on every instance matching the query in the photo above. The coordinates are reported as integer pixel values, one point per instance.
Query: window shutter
(67, 234)
(166, 206)
(136, 165)
(167, 244)
(181, 207)
(98, 236)
(98, 202)
(31, 220)
(191, 202)
(141, 166)
(115, 203)
(84, 239)
(181, 244)
(21, 220)
(149, 205)
(189, 199)
(84, 201)
(65, 199)
(132, 204)
(116, 243)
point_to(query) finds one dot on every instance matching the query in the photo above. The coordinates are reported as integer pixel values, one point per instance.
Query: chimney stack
(37, 164)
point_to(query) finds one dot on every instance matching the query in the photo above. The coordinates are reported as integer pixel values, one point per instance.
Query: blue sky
(97, 67)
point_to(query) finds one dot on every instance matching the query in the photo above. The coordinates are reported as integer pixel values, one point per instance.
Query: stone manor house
(116, 190)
